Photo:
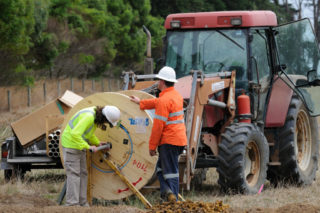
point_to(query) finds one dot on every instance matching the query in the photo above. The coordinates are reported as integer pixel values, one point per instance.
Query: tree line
(93, 38)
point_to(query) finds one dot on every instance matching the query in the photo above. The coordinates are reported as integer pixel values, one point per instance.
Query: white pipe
(58, 132)
(50, 136)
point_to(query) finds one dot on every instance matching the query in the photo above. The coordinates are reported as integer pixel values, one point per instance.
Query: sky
(306, 10)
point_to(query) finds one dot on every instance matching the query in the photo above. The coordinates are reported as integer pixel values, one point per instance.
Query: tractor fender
(278, 106)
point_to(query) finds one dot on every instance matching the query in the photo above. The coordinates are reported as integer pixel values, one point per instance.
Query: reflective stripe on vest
(160, 118)
(75, 117)
(171, 115)
(175, 122)
(176, 113)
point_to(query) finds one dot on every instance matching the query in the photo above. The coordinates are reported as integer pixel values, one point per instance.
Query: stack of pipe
(53, 144)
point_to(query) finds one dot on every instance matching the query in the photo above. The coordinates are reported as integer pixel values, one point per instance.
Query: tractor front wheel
(243, 157)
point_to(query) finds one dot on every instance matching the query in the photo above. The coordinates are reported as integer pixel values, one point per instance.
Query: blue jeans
(168, 168)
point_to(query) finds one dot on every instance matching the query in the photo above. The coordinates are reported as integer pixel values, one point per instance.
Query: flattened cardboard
(32, 126)
(70, 99)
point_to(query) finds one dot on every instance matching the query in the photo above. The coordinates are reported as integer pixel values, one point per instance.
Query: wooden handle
(126, 181)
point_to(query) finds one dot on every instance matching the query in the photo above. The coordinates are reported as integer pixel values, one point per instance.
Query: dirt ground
(289, 208)
(35, 204)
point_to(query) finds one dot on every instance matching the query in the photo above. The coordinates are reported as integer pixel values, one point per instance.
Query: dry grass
(270, 197)
(45, 183)
(48, 184)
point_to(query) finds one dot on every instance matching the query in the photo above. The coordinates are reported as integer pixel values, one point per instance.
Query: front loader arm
(199, 97)
(203, 86)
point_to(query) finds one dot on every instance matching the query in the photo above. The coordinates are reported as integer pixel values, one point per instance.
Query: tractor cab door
(260, 71)
(298, 61)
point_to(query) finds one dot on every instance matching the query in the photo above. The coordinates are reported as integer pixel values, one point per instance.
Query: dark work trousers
(168, 168)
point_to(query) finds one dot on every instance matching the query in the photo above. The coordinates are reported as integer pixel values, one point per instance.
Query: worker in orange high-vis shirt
(168, 132)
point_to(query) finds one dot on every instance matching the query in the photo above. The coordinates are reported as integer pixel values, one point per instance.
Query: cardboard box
(33, 126)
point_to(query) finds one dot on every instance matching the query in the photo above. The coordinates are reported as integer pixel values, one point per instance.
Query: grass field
(41, 188)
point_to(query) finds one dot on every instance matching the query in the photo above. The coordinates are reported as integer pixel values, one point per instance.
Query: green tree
(16, 25)
(165, 7)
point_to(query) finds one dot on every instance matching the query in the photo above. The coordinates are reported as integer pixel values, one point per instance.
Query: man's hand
(93, 148)
(152, 152)
(102, 143)
(135, 99)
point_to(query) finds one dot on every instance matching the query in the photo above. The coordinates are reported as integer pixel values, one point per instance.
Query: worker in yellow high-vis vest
(76, 139)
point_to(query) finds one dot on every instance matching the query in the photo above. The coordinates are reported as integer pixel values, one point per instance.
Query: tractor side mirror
(302, 83)
(313, 78)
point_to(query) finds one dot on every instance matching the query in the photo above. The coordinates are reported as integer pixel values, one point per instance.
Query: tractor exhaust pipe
(147, 32)
(148, 61)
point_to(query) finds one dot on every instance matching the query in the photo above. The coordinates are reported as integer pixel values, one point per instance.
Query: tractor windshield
(208, 50)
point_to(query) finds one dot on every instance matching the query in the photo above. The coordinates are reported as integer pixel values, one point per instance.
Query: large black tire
(298, 147)
(243, 158)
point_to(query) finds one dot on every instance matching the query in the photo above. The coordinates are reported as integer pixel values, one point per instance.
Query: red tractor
(251, 96)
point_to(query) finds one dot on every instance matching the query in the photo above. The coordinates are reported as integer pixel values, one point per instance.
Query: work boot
(171, 197)
(163, 198)
(85, 205)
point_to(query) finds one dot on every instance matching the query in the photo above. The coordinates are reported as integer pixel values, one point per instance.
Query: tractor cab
(250, 43)
(250, 94)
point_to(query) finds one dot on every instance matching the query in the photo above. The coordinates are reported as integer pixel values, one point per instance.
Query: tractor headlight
(175, 24)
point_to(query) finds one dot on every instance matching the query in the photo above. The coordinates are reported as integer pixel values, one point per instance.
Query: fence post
(102, 84)
(59, 87)
(71, 82)
(118, 84)
(29, 96)
(44, 92)
(93, 86)
(9, 100)
(83, 85)
(109, 84)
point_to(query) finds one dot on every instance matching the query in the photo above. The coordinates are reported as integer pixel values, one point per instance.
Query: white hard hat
(167, 74)
(112, 113)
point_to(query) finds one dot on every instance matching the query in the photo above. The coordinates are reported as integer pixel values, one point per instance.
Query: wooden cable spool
(130, 146)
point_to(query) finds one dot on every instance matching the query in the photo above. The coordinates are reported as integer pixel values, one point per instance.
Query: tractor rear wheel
(243, 157)
(298, 147)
